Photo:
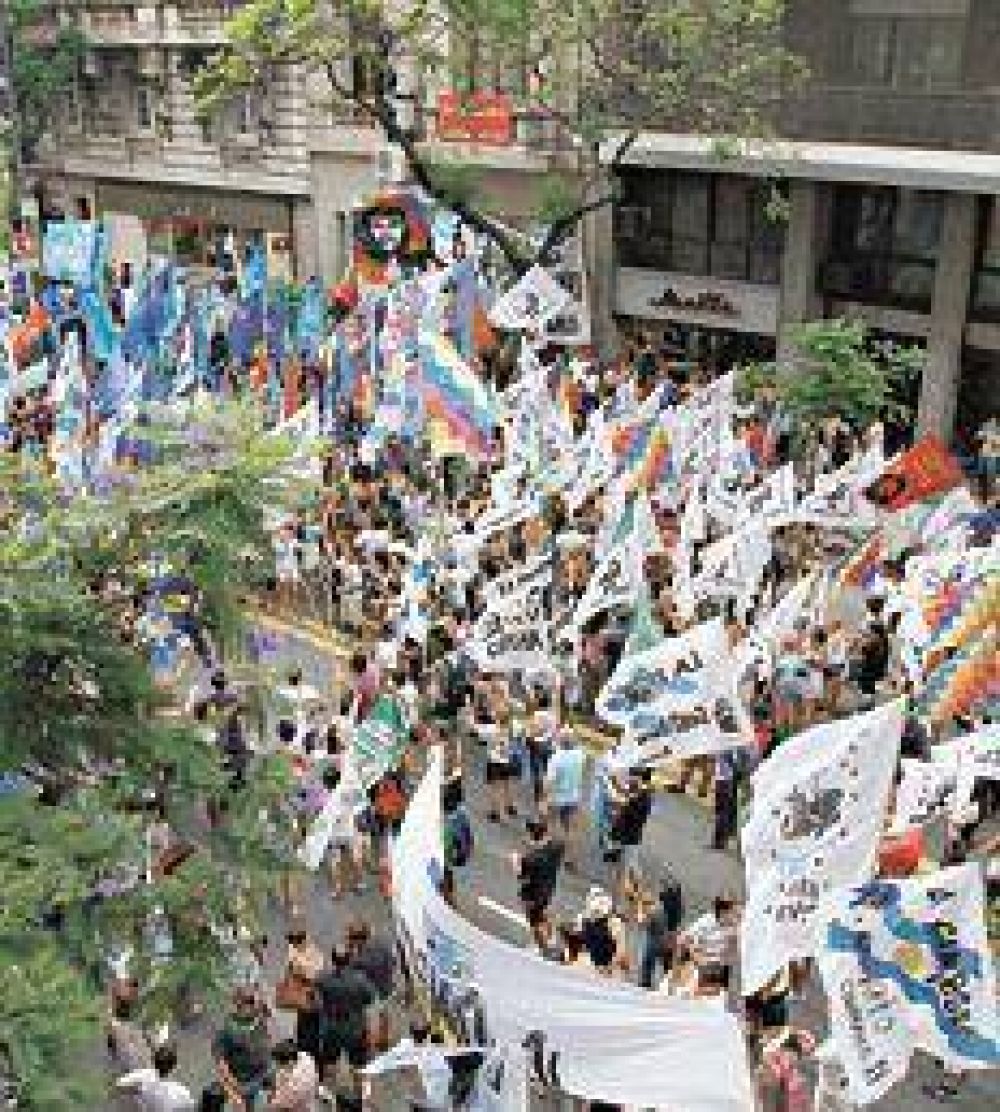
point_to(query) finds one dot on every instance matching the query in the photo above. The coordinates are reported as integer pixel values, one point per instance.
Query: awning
(910, 167)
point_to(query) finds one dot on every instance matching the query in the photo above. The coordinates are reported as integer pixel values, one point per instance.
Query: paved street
(677, 836)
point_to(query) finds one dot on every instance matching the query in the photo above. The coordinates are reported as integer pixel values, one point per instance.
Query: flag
(454, 398)
(818, 806)
(644, 450)
(928, 468)
(380, 741)
(616, 582)
(906, 964)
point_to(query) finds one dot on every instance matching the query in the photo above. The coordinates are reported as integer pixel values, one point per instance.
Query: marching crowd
(531, 738)
(386, 557)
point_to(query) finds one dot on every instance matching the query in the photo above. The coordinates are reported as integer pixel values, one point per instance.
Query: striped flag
(456, 403)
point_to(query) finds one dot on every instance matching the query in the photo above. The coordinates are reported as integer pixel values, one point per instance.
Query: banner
(616, 582)
(926, 789)
(597, 1038)
(671, 676)
(837, 500)
(815, 823)
(907, 964)
(513, 633)
(594, 462)
(531, 303)
(928, 468)
(775, 625)
(772, 500)
(68, 251)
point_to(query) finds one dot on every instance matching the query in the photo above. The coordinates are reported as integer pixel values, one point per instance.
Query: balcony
(960, 120)
(121, 26)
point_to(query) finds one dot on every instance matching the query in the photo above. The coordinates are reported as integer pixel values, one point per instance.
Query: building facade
(888, 170)
(279, 161)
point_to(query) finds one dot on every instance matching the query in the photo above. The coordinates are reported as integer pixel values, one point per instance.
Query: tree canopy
(594, 73)
(87, 739)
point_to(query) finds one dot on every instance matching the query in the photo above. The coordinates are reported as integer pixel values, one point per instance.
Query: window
(905, 52)
(144, 107)
(884, 246)
(986, 281)
(713, 225)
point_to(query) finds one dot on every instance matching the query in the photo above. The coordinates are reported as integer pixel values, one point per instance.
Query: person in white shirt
(153, 1088)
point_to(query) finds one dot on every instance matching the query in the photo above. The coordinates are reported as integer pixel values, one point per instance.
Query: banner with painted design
(768, 632)
(837, 499)
(926, 790)
(906, 965)
(531, 303)
(772, 499)
(514, 631)
(615, 583)
(69, 250)
(816, 819)
(627, 516)
(595, 464)
(673, 675)
(928, 468)
(596, 1038)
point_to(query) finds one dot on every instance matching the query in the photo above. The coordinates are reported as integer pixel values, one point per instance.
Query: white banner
(906, 964)
(815, 823)
(675, 675)
(599, 1039)
(531, 303)
(514, 632)
(837, 500)
(769, 631)
(595, 464)
(772, 500)
(616, 582)
(927, 789)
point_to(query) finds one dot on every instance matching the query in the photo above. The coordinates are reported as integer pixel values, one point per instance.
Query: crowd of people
(386, 555)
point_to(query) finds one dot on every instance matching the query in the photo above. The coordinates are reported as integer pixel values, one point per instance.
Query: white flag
(818, 807)
(907, 964)
(531, 303)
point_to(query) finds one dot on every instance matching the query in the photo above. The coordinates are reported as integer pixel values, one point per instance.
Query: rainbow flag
(643, 448)
(461, 413)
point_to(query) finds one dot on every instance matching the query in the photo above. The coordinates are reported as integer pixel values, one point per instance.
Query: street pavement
(677, 837)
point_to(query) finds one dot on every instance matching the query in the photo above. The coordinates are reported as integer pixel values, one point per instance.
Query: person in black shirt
(345, 994)
(627, 825)
(659, 932)
(538, 871)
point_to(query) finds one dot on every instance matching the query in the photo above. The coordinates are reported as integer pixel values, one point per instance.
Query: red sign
(476, 118)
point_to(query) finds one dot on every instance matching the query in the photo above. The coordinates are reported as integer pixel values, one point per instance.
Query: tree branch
(561, 228)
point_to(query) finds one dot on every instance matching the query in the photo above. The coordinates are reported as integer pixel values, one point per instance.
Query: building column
(599, 266)
(797, 302)
(943, 366)
(304, 240)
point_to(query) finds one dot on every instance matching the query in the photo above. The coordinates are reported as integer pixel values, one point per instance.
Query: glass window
(986, 284)
(870, 51)
(144, 107)
(928, 53)
(917, 223)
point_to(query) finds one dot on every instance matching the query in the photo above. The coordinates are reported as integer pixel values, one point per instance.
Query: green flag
(380, 741)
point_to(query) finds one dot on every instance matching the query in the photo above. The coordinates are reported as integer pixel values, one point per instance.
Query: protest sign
(928, 468)
(815, 823)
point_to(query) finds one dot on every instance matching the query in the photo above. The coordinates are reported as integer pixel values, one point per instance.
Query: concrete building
(279, 161)
(889, 161)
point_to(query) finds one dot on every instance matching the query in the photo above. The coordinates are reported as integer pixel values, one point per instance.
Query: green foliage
(78, 705)
(45, 66)
(837, 370)
(607, 68)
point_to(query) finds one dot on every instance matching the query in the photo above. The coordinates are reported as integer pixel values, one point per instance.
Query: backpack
(458, 839)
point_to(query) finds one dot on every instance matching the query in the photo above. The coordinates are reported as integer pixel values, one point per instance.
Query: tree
(837, 369)
(597, 72)
(42, 61)
(81, 715)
